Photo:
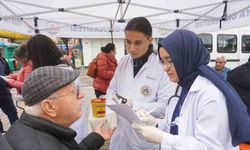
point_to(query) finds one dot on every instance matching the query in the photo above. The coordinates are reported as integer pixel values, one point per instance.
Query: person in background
(6, 104)
(73, 60)
(4, 66)
(220, 63)
(44, 124)
(240, 80)
(6, 101)
(16, 80)
(106, 65)
(209, 114)
(139, 78)
(44, 52)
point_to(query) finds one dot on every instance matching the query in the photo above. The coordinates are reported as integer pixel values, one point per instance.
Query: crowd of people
(182, 102)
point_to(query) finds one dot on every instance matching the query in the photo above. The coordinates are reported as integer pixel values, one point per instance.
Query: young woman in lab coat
(139, 76)
(209, 115)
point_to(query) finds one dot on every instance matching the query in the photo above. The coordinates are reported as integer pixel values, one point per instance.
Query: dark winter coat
(239, 78)
(4, 145)
(106, 65)
(33, 133)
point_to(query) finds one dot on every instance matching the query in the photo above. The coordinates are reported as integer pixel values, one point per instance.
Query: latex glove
(104, 131)
(150, 133)
(111, 118)
(121, 100)
(146, 118)
(129, 102)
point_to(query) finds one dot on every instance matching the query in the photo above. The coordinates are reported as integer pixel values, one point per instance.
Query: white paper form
(126, 112)
(4, 77)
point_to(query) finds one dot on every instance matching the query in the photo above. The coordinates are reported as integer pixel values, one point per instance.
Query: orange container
(98, 107)
(244, 146)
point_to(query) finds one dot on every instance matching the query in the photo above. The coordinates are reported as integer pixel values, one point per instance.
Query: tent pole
(17, 16)
(224, 16)
(119, 6)
(36, 25)
(177, 23)
(111, 31)
(196, 19)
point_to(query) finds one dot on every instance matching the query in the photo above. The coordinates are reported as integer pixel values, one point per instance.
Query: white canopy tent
(96, 18)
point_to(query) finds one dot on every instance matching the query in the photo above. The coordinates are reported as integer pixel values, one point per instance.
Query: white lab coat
(203, 122)
(80, 125)
(150, 88)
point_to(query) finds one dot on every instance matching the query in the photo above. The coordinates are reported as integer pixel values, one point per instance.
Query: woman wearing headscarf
(209, 114)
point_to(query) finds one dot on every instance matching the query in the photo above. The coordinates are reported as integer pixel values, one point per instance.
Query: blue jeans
(8, 107)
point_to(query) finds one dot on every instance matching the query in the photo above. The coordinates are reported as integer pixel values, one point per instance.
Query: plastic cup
(98, 107)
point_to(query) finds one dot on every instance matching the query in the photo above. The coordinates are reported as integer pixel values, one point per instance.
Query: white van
(233, 44)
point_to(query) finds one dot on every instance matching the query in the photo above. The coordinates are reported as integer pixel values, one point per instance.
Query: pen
(150, 111)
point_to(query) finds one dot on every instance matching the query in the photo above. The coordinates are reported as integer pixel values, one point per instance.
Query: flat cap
(44, 81)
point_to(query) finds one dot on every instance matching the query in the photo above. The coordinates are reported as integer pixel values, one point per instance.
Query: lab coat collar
(197, 84)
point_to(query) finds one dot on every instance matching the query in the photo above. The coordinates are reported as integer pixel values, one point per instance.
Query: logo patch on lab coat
(146, 90)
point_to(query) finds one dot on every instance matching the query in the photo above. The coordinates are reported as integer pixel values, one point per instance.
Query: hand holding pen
(146, 117)
(5, 78)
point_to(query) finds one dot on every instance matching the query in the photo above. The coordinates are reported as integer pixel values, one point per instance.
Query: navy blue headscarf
(191, 57)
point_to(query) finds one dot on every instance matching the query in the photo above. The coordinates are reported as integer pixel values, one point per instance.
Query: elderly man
(53, 103)
(220, 63)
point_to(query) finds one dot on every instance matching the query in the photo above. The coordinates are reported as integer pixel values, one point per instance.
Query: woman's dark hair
(109, 47)
(43, 51)
(21, 53)
(140, 24)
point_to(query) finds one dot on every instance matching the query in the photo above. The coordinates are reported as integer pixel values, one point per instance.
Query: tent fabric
(93, 18)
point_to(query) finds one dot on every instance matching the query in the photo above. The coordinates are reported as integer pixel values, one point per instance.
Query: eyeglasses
(167, 61)
(76, 92)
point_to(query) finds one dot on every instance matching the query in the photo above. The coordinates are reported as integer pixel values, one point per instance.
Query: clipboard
(126, 112)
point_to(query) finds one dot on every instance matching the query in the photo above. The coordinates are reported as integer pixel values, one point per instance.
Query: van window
(207, 41)
(226, 43)
(245, 43)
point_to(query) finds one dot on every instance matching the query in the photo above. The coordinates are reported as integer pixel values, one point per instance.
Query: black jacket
(7, 70)
(4, 90)
(239, 78)
(33, 133)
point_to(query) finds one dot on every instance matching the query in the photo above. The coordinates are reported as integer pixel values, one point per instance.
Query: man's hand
(105, 132)
(150, 133)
